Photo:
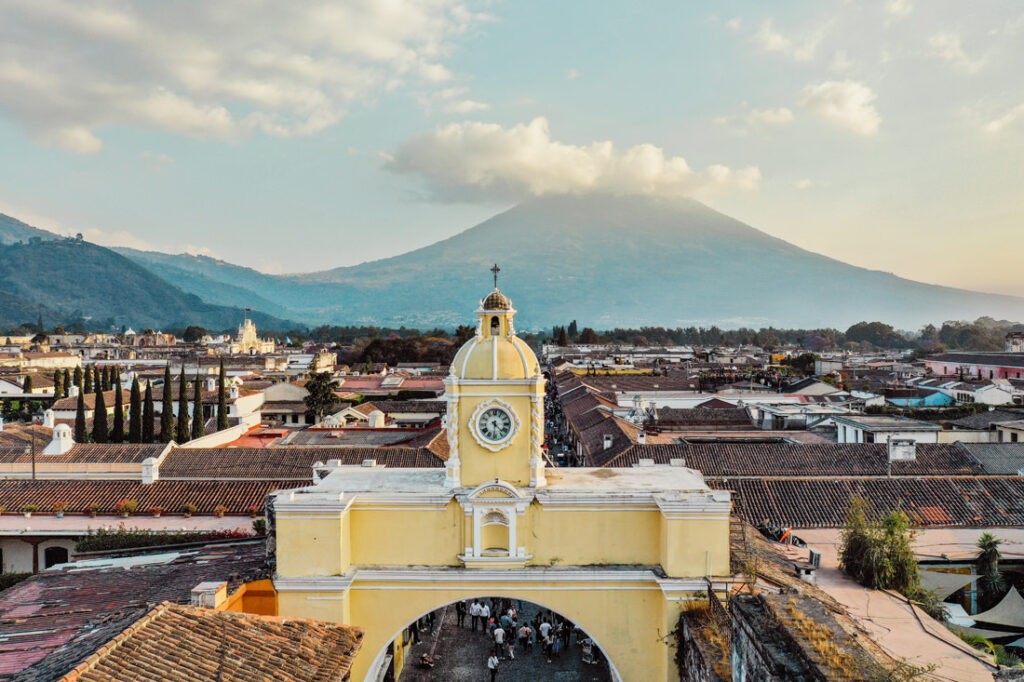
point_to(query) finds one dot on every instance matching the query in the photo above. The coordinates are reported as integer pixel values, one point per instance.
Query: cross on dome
(495, 270)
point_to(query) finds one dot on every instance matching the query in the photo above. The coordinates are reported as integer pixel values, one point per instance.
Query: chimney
(376, 419)
(1, 424)
(902, 450)
(48, 421)
(209, 595)
(211, 384)
(150, 470)
(607, 441)
(641, 438)
(233, 392)
(73, 391)
(62, 441)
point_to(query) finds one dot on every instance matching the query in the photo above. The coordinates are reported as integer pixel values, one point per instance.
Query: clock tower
(495, 394)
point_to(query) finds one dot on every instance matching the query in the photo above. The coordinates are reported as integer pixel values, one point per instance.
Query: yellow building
(617, 551)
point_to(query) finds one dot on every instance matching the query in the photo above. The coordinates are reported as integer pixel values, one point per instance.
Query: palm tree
(991, 583)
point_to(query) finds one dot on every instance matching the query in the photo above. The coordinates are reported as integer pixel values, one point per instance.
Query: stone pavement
(461, 656)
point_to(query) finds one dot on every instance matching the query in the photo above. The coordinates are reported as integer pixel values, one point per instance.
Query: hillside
(13, 230)
(72, 279)
(605, 261)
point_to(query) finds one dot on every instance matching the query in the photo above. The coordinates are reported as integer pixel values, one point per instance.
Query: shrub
(260, 526)
(9, 579)
(220, 510)
(130, 538)
(30, 508)
(189, 509)
(60, 506)
(126, 506)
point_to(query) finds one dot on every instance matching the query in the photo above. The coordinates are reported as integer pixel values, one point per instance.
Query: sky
(294, 137)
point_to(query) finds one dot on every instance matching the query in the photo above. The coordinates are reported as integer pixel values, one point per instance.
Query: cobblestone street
(461, 656)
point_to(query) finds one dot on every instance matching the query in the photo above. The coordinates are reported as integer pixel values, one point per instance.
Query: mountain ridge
(605, 261)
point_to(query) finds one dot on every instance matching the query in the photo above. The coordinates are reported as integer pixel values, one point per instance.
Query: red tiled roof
(223, 646)
(85, 453)
(90, 400)
(237, 496)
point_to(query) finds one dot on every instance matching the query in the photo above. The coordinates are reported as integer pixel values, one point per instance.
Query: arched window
(54, 555)
(495, 325)
(494, 533)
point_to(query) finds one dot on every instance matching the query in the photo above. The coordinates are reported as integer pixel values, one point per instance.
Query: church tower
(495, 394)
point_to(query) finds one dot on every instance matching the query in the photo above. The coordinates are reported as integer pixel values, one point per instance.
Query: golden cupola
(495, 352)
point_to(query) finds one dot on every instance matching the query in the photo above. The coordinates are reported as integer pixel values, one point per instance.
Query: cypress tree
(100, 434)
(198, 429)
(26, 385)
(181, 428)
(105, 379)
(222, 400)
(167, 408)
(86, 384)
(58, 385)
(135, 414)
(117, 433)
(97, 380)
(65, 384)
(78, 378)
(147, 415)
(80, 435)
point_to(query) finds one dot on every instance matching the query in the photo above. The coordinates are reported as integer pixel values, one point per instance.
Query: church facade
(617, 551)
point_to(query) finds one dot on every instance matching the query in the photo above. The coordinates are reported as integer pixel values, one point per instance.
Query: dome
(496, 301)
(495, 357)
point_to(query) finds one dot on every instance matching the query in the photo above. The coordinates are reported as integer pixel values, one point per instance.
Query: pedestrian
(485, 614)
(556, 647)
(511, 646)
(492, 665)
(547, 645)
(506, 622)
(531, 639)
(415, 630)
(474, 613)
(545, 628)
(460, 613)
(499, 640)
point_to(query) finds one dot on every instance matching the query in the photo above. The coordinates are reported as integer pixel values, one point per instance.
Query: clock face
(495, 424)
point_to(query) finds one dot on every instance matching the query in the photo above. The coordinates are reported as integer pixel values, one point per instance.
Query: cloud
(756, 118)
(734, 24)
(474, 161)
(947, 47)
(801, 48)
(803, 183)
(220, 70)
(899, 8)
(1006, 120)
(573, 74)
(157, 159)
(846, 104)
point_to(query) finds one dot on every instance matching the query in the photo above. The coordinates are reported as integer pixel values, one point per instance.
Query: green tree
(81, 436)
(26, 385)
(574, 330)
(321, 400)
(181, 432)
(588, 335)
(222, 399)
(148, 417)
(105, 379)
(193, 334)
(991, 583)
(563, 337)
(879, 555)
(100, 434)
(65, 383)
(135, 413)
(86, 383)
(97, 380)
(58, 385)
(167, 408)
(78, 378)
(117, 432)
(198, 421)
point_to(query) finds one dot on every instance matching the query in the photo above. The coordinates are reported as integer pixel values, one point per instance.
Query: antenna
(495, 270)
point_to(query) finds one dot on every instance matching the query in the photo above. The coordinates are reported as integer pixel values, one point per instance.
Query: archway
(54, 555)
(459, 646)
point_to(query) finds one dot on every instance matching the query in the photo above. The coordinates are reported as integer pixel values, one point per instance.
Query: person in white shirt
(492, 665)
(474, 613)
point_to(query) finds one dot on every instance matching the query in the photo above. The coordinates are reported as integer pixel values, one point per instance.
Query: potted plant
(126, 507)
(2, 509)
(189, 509)
(27, 509)
(91, 509)
(254, 510)
(59, 508)
(156, 511)
(220, 510)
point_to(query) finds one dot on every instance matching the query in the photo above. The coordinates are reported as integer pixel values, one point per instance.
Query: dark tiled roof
(19, 435)
(716, 460)
(237, 496)
(986, 501)
(983, 421)
(623, 436)
(277, 464)
(703, 417)
(998, 458)
(411, 406)
(90, 400)
(994, 359)
(223, 646)
(640, 382)
(85, 453)
(55, 619)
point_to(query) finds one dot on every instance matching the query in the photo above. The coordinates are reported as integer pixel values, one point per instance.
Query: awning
(1008, 612)
(945, 584)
